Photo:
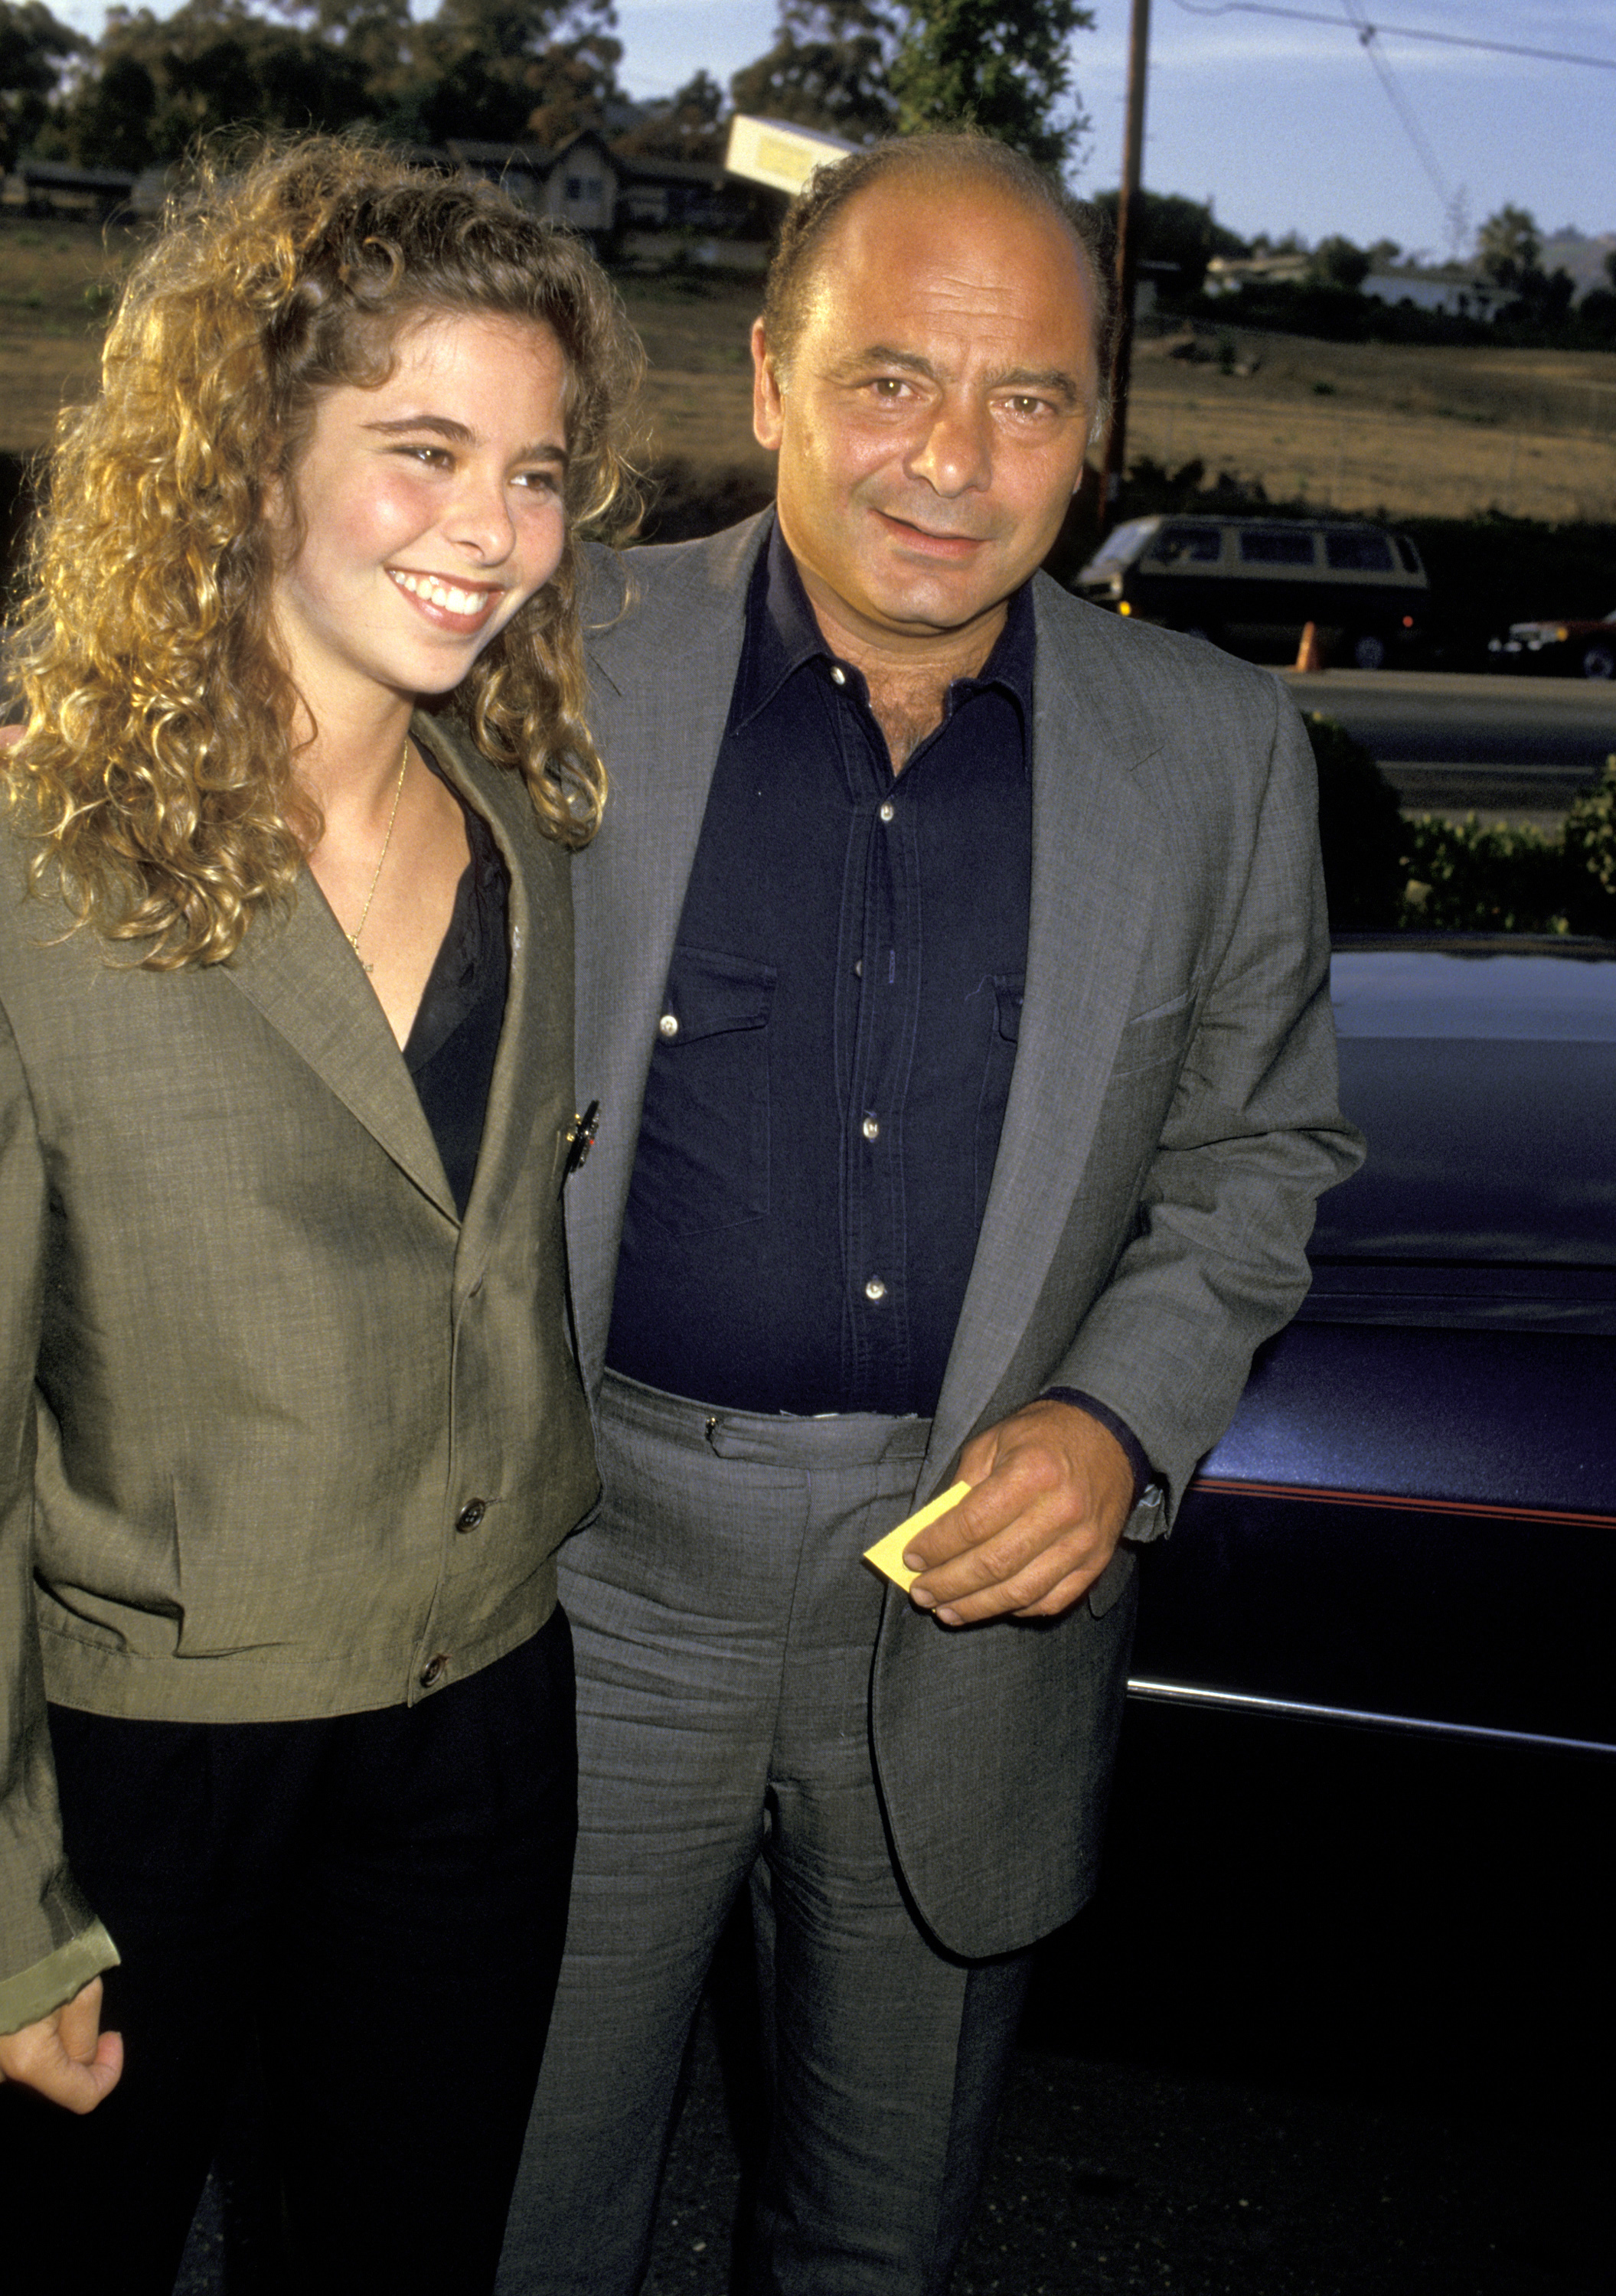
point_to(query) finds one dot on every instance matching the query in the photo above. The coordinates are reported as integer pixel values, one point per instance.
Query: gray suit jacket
(1172, 1119)
(252, 1362)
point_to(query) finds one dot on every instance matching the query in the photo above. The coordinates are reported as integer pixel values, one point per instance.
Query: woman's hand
(66, 2056)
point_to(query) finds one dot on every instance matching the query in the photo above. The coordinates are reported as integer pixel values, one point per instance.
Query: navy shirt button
(669, 1025)
(871, 1128)
(874, 1288)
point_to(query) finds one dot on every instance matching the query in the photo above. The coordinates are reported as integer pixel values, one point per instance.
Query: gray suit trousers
(724, 1625)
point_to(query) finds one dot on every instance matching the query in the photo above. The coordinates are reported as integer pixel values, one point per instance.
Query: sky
(1284, 124)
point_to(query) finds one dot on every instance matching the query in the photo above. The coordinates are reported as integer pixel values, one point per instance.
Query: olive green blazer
(255, 1367)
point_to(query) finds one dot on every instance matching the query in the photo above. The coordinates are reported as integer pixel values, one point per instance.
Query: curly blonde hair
(156, 770)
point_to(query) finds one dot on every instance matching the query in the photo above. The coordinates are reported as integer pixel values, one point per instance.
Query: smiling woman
(422, 514)
(291, 1430)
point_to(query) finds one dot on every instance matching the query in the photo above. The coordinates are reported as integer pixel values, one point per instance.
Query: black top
(839, 1031)
(452, 1046)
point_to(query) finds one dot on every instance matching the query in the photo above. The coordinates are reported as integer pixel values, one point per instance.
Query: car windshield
(1120, 548)
(1202, 544)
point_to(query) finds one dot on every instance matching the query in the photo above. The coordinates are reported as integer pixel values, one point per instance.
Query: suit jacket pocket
(1160, 1035)
(703, 1156)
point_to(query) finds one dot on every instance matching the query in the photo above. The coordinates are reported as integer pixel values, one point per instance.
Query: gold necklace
(353, 939)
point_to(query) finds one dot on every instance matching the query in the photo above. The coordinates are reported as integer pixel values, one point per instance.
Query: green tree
(34, 49)
(827, 69)
(504, 69)
(689, 126)
(1183, 232)
(573, 83)
(1508, 248)
(158, 83)
(1003, 64)
(1336, 262)
(375, 36)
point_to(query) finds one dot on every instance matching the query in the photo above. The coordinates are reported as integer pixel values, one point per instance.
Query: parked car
(1413, 1519)
(1252, 584)
(1571, 649)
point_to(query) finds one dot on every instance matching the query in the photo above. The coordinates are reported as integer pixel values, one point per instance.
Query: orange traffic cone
(1307, 655)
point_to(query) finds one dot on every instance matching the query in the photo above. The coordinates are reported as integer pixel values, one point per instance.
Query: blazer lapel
(662, 671)
(304, 979)
(1094, 838)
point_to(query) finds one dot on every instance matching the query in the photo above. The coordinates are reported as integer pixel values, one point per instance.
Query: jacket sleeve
(50, 1943)
(1218, 1258)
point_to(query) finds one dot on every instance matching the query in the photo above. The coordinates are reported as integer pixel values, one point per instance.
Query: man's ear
(768, 416)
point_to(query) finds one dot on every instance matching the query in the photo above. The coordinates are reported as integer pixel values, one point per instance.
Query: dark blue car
(1413, 1519)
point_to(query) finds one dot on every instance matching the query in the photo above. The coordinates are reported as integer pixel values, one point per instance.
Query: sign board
(773, 151)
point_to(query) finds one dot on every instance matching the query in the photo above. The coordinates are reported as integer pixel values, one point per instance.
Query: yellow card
(888, 1554)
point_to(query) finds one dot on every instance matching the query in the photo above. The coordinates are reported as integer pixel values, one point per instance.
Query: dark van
(1251, 584)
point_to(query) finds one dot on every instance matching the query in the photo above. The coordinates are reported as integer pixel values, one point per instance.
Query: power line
(1367, 34)
(1398, 31)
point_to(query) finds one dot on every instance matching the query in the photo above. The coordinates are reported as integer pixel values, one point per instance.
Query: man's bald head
(952, 159)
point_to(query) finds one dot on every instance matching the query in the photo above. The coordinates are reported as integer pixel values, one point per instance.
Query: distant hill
(1582, 254)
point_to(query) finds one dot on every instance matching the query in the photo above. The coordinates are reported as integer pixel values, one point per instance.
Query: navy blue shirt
(837, 1035)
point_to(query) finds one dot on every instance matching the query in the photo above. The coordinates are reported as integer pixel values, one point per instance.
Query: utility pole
(1131, 218)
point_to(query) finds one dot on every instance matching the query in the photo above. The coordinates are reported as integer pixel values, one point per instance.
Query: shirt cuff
(1144, 1475)
(33, 1992)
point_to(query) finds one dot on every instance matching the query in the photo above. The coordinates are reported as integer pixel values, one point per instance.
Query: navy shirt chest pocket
(703, 1159)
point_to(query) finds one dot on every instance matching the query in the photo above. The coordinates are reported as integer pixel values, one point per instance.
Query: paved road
(1443, 739)
(1338, 2024)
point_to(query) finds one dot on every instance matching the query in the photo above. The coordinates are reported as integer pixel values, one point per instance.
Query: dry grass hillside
(57, 281)
(1417, 432)
(1422, 432)
(1434, 433)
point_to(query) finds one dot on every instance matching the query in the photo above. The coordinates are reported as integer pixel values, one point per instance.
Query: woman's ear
(278, 511)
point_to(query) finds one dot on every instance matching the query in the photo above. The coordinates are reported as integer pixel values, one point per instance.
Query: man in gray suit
(953, 982)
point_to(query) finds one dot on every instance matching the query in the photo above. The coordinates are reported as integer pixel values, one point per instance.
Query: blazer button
(471, 1514)
(433, 1671)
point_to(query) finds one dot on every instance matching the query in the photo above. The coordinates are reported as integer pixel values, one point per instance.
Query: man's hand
(66, 2056)
(1051, 1491)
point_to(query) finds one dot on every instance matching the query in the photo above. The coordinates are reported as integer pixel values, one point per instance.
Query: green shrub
(1462, 878)
(1590, 852)
(1383, 874)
